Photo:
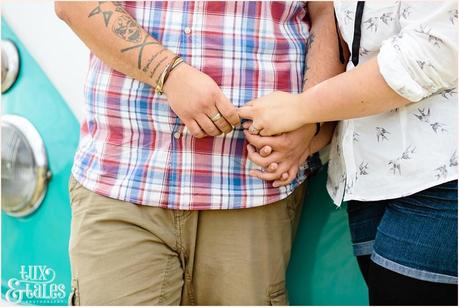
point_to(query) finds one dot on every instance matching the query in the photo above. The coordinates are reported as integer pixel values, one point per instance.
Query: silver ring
(216, 117)
(253, 130)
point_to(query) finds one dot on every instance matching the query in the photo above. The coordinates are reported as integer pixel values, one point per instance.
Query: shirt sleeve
(422, 59)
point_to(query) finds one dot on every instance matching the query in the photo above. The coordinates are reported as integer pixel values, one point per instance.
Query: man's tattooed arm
(117, 38)
(309, 43)
(322, 51)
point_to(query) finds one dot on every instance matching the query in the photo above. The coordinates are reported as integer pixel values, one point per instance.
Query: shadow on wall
(322, 269)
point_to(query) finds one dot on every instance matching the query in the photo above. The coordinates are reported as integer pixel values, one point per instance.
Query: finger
(259, 160)
(195, 130)
(273, 167)
(254, 129)
(269, 176)
(264, 131)
(246, 112)
(266, 151)
(228, 110)
(207, 125)
(290, 176)
(257, 140)
(265, 175)
(251, 149)
(221, 123)
(246, 124)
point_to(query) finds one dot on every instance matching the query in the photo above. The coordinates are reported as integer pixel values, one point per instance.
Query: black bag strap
(357, 32)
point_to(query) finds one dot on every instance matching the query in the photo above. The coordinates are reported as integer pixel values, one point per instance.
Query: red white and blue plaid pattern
(128, 150)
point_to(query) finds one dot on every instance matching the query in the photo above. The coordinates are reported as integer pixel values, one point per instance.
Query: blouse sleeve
(422, 59)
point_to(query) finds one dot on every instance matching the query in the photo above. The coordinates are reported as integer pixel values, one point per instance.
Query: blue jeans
(415, 236)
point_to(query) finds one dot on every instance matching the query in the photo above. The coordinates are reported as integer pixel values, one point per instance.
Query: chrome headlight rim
(42, 173)
(10, 55)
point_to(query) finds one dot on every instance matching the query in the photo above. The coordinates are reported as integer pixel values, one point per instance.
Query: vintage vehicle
(43, 68)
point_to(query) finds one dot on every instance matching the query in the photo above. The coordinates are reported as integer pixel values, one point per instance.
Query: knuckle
(227, 129)
(265, 163)
(203, 104)
(214, 132)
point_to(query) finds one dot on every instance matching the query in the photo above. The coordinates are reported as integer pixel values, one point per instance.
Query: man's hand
(196, 99)
(280, 156)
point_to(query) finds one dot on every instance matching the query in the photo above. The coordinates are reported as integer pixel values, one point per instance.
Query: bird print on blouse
(381, 134)
(448, 93)
(432, 39)
(414, 43)
(453, 16)
(395, 165)
(425, 116)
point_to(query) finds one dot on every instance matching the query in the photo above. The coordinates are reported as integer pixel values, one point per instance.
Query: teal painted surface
(41, 238)
(322, 269)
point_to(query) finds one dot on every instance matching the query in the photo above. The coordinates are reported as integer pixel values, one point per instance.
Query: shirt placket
(185, 46)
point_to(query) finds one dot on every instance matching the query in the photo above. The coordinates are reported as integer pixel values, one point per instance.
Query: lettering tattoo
(152, 58)
(309, 43)
(156, 67)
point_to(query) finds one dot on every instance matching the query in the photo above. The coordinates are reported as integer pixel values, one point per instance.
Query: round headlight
(10, 64)
(25, 171)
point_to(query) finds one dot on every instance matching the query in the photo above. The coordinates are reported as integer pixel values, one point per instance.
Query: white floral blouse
(411, 148)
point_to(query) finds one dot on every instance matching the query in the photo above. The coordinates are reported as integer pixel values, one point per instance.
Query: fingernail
(275, 184)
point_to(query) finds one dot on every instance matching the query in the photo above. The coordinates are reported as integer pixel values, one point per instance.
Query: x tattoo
(140, 46)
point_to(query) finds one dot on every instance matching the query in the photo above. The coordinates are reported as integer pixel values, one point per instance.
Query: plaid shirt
(132, 145)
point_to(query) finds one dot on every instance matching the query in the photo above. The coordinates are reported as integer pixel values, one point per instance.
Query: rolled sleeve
(422, 59)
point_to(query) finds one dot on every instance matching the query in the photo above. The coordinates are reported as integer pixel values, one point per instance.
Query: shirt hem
(397, 194)
(192, 207)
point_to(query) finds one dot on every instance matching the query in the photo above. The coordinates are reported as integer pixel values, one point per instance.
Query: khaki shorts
(126, 254)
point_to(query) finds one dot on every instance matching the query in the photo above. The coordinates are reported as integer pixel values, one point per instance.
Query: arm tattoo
(126, 28)
(140, 47)
(156, 67)
(107, 14)
(152, 58)
(309, 42)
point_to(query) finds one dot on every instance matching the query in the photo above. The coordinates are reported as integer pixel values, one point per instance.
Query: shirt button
(187, 30)
(177, 135)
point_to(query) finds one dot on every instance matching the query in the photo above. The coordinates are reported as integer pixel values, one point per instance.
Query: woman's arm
(418, 62)
(359, 92)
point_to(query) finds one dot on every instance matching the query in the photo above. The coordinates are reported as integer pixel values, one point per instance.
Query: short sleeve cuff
(394, 72)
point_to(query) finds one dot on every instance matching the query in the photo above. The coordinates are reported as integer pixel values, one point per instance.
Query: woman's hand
(273, 114)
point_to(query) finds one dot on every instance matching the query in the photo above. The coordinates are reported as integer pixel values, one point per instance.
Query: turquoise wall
(322, 270)
(41, 238)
